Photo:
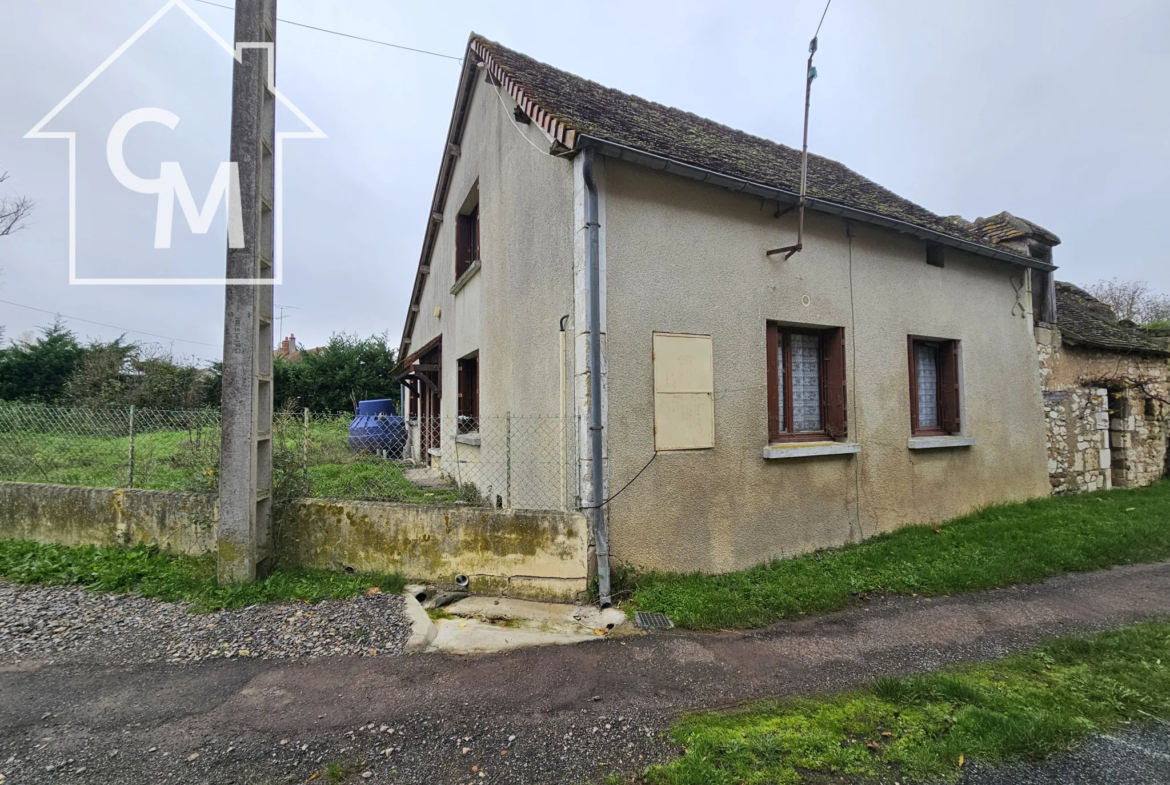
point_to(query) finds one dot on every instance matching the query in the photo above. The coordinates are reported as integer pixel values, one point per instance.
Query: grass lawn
(150, 573)
(1023, 707)
(1015, 543)
(188, 459)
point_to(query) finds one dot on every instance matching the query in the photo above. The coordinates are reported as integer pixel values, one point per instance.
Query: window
(684, 392)
(934, 387)
(467, 233)
(806, 384)
(468, 386)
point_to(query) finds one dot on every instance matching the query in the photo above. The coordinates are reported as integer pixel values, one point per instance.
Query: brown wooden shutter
(475, 246)
(773, 370)
(913, 367)
(836, 400)
(948, 376)
(465, 242)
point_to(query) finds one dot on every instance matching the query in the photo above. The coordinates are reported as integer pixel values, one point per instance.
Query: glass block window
(926, 367)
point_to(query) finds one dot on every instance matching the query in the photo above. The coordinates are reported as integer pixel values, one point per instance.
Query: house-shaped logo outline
(237, 54)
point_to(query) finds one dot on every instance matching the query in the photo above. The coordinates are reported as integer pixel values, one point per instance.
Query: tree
(38, 370)
(14, 211)
(337, 376)
(1132, 300)
(119, 373)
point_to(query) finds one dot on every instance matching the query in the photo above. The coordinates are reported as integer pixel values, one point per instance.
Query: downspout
(593, 290)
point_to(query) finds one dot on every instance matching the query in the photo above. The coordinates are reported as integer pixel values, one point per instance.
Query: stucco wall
(689, 258)
(526, 554)
(510, 310)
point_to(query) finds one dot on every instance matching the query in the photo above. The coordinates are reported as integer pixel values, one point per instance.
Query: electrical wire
(627, 485)
(519, 130)
(818, 32)
(345, 35)
(112, 326)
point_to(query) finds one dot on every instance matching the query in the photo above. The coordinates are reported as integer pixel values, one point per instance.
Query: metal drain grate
(652, 621)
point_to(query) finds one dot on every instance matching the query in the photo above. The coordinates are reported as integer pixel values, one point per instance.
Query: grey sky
(1054, 111)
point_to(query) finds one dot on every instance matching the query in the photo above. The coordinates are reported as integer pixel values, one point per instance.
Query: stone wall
(522, 553)
(1106, 413)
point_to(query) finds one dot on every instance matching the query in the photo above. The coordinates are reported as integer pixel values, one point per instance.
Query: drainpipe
(593, 288)
(564, 498)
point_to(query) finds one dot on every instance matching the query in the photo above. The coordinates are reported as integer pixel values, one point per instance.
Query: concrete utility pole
(245, 476)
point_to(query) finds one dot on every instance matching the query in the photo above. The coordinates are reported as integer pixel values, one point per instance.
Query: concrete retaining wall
(177, 522)
(522, 553)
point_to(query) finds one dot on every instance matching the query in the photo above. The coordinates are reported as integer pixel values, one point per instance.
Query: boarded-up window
(934, 387)
(684, 392)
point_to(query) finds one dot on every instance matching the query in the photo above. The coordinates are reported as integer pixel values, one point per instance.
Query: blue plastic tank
(377, 428)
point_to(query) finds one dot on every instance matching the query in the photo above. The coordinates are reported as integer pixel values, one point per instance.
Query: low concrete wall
(176, 522)
(523, 553)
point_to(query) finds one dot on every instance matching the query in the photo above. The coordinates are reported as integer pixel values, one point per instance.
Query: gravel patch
(67, 623)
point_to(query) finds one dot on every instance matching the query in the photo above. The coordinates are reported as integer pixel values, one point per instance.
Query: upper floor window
(934, 387)
(806, 383)
(467, 233)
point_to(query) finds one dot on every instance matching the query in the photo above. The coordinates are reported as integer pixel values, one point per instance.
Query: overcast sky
(1055, 111)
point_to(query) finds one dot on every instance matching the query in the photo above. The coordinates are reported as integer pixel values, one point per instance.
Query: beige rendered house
(746, 406)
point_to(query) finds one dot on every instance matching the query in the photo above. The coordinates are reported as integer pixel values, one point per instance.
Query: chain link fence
(508, 462)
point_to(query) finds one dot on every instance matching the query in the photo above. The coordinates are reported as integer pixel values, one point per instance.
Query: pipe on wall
(593, 285)
(564, 425)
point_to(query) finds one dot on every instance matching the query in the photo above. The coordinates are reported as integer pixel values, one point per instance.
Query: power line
(113, 326)
(345, 35)
(818, 32)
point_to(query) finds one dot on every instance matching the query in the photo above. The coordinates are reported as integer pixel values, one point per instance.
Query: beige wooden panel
(683, 363)
(684, 421)
(684, 392)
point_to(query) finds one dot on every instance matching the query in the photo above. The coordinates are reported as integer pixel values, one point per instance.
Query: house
(1106, 396)
(599, 261)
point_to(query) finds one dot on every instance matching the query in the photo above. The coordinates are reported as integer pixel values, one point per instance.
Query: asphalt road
(559, 715)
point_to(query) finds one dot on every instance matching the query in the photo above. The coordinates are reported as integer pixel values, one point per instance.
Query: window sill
(940, 442)
(470, 439)
(809, 449)
(468, 274)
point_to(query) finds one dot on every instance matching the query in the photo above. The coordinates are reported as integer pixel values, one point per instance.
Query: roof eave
(740, 185)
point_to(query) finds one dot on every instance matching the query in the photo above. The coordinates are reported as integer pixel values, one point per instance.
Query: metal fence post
(305, 449)
(130, 479)
(508, 454)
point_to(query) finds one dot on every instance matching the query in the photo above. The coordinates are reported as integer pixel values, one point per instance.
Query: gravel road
(59, 624)
(562, 715)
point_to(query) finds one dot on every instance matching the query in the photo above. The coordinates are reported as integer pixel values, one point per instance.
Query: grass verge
(1023, 707)
(147, 571)
(1017, 543)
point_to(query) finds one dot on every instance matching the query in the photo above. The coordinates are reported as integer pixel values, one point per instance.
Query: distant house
(738, 406)
(1106, 396)
(291, 351)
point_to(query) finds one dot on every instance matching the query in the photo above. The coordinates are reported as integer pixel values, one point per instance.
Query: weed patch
(924, 728)
(998, 546)
(149, 572)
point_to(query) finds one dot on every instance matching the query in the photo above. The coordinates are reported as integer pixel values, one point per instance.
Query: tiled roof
(589, 108)
(1085, 320)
